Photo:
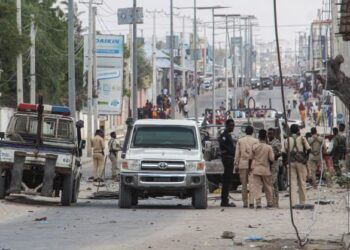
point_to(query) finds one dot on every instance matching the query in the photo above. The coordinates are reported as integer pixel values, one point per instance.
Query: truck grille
(163, 165)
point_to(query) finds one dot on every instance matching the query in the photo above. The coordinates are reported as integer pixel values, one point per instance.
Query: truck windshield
(165, 136)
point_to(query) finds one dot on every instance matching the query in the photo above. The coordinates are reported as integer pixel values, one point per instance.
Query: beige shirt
(262, 155)
(315, 143)
(243, 151)
(98, 143)
(301, 142)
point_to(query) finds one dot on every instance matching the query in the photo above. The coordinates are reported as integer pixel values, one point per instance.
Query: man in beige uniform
(114, 147)
(316, 143)
(98, 145)
(259, 165)
(298, 145)
(243, 152)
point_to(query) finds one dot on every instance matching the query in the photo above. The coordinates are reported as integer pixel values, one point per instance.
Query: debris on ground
(325, 202)
(41, 219)
(104, 195)
(228, 235)
(254, 237)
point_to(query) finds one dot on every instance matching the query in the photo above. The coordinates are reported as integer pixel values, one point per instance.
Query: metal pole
(95, 111)
(32, 61)
(213, 60)
(134, 64)
(154, 62)
(19, 56)
(172, 82)
(89, 101)
(234, 70)
(183, 55)
(241, 51)
(226, 64)
(195, 61)
(250, 50)
(71, 59)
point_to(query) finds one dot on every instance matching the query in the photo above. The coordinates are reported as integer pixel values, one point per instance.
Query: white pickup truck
(163, 158)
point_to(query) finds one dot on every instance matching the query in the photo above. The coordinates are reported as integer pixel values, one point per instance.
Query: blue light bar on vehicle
(60, 110)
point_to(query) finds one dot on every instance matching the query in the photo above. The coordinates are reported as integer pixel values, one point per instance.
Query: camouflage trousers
(274, 172)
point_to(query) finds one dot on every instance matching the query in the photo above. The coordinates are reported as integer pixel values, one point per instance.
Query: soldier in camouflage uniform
(276, 147)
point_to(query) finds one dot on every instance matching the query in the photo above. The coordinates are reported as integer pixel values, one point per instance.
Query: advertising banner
(109, 72)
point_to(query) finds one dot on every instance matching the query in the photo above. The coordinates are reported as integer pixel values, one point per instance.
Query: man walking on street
(317, 148)
(298, 159)
(228, 155)
(289, 109)
(98, 145)
(114, 147)
(259, 165)
(243, 152)
(338, 151)
(276, 147)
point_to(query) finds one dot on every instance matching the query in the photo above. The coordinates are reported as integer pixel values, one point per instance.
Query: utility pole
(71, 60)
(154, 62)
(195, 60)
(234, 70)
(183, 55)
(241, 50)
(226, 63)
(32, 61)
(94, 66)
(172, 80)
(19, 56)
(90, 73)
(134, 63)
(213, 97)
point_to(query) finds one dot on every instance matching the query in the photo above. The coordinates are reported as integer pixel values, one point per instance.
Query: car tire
(200, 197)
(134, 198)
(67, 190)
(76, 187)
(2, 184)
(125, 196)
(282, 180)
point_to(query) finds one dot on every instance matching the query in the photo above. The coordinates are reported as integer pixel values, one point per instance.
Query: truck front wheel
(200, 197)
(67, 190)
(76, 188)
(125, 196)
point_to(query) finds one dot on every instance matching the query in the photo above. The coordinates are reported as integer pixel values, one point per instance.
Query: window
(164, 136)
(64, 130)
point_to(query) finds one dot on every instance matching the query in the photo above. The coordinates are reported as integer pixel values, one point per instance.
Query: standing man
(276, 147)
(298, 159)
(114, 147)
(342, 129)
(228, 156)
(338, 151)
(259, 165)
(289, 109)
(98, 145)
(243, 152)
(317, 148)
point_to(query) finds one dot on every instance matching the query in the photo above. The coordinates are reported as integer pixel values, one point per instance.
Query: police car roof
(176, 122)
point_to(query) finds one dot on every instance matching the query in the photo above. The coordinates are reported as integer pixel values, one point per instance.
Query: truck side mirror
(82, 144)
(123, 155)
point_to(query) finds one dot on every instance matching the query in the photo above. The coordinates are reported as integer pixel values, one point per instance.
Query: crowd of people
(258, 161)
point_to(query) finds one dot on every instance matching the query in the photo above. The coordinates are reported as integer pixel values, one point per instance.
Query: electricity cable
(285, 118)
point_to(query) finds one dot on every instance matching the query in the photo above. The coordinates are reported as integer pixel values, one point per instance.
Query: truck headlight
(130, 165)
(195, 165)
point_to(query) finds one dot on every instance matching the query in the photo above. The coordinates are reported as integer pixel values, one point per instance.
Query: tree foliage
(51, 51)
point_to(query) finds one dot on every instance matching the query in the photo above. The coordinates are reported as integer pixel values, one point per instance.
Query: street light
(212, 8)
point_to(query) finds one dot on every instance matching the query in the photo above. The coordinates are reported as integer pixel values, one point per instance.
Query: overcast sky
(293, 15)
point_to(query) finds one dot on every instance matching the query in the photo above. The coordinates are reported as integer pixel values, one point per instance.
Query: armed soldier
(227, 148)
(98, 145)
(243, 152)
(317, 148)
(276, 147)
(259, 165)
(298, 160)
(114, 147)
(338, 150)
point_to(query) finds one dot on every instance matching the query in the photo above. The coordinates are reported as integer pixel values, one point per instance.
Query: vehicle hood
(164, 154)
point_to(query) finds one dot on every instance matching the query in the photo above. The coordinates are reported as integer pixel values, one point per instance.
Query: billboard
(109, 72)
